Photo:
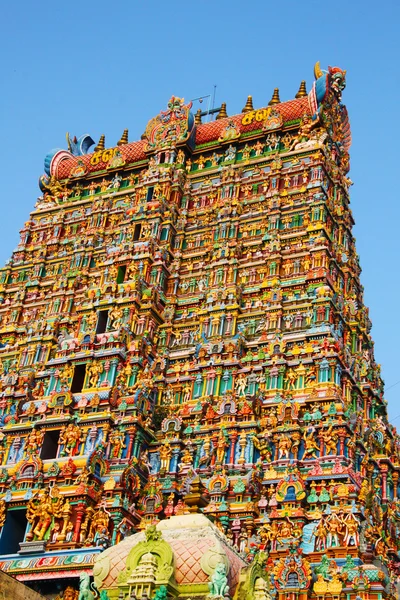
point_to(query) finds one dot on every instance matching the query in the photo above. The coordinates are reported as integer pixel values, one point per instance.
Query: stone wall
(11, 588)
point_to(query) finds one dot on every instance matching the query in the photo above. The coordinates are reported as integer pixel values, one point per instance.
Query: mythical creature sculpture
(218, 585)
(86, 589)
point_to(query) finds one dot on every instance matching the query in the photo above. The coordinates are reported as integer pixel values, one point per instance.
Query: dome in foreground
(182, 553)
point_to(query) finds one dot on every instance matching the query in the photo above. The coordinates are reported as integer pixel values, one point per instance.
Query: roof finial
(302, 90)
(124, 138)
(102, 143)
(275, 98)
(197, 117)
(222, 113)
(249, 105)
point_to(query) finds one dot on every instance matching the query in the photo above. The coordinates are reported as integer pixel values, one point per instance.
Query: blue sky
(98, 67)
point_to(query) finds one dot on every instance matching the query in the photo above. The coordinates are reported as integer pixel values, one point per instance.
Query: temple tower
(182, 330)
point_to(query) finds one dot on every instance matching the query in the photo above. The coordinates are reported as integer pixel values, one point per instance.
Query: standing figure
(165, 456)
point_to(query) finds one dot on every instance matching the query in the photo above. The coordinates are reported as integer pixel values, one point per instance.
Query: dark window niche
(121, 274)
(13, 531)
(78, 379)
(102, 320)
(50, 444)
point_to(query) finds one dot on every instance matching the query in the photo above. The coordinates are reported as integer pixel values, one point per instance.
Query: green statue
(218, 585)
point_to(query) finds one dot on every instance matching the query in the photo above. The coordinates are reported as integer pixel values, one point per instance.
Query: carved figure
(165, 456)
(218, 585)
(86, 589)
(70, 437)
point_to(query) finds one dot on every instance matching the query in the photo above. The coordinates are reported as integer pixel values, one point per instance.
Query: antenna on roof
(211, 110)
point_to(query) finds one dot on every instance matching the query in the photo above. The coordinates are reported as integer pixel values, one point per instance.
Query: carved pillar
(341, 445)
(131, 432)
(80, 511)
(321, 446)
(138, 440)
(215, 442)
(383, 469)
(234, 437)
(395, 477)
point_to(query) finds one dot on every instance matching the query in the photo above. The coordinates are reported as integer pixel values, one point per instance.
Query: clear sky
(98, 67)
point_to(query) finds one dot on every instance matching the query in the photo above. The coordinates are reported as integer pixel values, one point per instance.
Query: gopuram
(190, 405)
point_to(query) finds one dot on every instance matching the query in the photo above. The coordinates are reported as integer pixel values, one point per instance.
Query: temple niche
(190, 405)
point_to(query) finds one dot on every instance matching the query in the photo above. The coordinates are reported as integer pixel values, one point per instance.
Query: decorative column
(234, 437)
(80, 511)
(242, 444)
(395, 477)
(131, 432)
(383, 469)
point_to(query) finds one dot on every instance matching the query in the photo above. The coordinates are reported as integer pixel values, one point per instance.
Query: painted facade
(183, 339)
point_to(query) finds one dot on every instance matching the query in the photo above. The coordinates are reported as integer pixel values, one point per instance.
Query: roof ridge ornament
(171, 127)
(275, 98)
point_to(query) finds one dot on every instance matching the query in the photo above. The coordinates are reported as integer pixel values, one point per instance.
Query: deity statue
(69, 594)
(165, 456)
(70, 437)
(33, 442)
(117, 441)
(66, 374)
(284, 446)
(99, 531)
(222, 445)
(330, 439)
(351, 536)
(321, 533)
(310, 445)
(115, 317)
(40, 513)
(241, 384)
(263, 446)
(334, 526)
(94, 372)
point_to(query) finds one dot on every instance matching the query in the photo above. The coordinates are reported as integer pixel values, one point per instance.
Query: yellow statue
(222, 445)
(330, 438)
(310, 445)
(93, 373)
(68, 594)
(33, 442)
(99, 523)
(165, 456)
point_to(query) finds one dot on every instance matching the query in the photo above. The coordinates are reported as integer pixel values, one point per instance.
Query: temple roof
(205, 133)
(197, 545)
(291, 110)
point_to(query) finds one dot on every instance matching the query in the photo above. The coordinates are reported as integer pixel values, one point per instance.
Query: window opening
(121, 273)
(78, 379)
(102, 321)
(50, 444)
(13, 531)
